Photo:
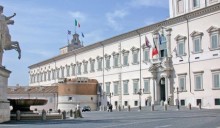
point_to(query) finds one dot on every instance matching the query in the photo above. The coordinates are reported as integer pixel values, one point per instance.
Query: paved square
(134, 119)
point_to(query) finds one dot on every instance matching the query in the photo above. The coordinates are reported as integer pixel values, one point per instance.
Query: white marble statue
(5, 37)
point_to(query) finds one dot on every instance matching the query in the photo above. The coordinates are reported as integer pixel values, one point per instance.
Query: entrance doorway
(162, 89)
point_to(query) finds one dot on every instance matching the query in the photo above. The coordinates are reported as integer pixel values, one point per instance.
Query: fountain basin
(24, 104)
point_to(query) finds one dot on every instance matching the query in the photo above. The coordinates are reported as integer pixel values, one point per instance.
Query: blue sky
(41, 26)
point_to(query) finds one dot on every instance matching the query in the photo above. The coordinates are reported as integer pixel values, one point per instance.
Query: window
(125, 87)
(135, 103)
(115, 88)
(217, 101)
(182, 102)
(197, 45)
(180, 6)
(53, 74)
(49, 75)
(92, 65)
(212, 1)
(180, 48)
(198, 82)
(135, 86)
(214, 37)
(99, 60)
(125, 57)
(146, 55)
(135, 52)
(67, 71)
(196, 3)
(107, 88)
(70, 98)
(125, 103)
(79, 68)
(73, 69)
(58, 73)
(162, 45)
(214, 41)
(115, 59)
(182, 83)
(62, 72)
(216, 80)
(85, 67)
(146, 86)
(196, 38)
(198, 101)
(45, 76)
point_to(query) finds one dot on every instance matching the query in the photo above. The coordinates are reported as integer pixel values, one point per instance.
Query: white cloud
(79, 16)
(94, 36)
(113, 17)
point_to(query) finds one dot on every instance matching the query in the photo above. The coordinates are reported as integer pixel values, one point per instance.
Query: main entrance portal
(162, 89)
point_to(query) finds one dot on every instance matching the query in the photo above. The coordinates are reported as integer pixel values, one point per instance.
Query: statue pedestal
(4, 103)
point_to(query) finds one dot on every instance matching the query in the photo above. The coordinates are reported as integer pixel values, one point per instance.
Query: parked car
(86, 108)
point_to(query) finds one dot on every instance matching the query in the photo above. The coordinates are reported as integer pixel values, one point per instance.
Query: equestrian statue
(5, 37)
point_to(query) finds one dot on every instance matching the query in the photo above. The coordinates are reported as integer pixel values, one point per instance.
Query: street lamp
(177, 100)
(139, 93)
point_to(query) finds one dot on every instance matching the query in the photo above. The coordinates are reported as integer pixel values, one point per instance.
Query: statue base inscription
(4, 103)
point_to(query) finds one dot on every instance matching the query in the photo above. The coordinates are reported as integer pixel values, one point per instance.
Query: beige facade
(188, 46)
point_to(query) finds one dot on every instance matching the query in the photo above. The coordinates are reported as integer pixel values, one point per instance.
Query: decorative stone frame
(79, 64)
(195, 35)
(73, 69)
(85, 63)
(114, 54)
(125, 52)
(99, 58)
(198, 73)
(214, 30)
(182, 75)
(193, 8)
(215, 71)
(125, 81)
(177, 7)
(92, 61)
(107, 57)
(135, 50)
(179, 38)
(145, 48)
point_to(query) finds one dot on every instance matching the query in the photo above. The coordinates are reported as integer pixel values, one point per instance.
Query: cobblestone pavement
(135, 119)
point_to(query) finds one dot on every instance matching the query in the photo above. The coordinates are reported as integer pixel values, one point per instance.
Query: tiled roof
(31, 89)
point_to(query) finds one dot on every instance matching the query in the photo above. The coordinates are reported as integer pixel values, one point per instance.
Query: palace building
(184, 66)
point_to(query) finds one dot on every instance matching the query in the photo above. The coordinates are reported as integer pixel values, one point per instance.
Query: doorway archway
(162, 89)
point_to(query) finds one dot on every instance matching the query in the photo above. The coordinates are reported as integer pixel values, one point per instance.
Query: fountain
(23, 105)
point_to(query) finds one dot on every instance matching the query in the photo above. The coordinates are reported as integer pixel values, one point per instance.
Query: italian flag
(77, 23)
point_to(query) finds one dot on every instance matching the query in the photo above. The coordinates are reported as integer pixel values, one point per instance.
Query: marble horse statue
(5, 37)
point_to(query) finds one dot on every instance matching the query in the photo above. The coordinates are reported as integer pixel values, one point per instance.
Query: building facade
(186, 67)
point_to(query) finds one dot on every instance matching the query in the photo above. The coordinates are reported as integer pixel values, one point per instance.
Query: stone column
(166, 89)
(4, 103)
(169, 42)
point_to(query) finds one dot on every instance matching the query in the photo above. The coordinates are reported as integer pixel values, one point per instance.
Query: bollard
(152, 107)
(200, 106)
(71, 113)
(129, 108)
(64, 115)
(75, 112)
(119, 108)
(165, 107)
(189, 106)
(18, 115)
(43, 116)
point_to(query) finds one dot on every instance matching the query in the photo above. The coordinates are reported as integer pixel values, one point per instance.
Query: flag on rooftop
(69, 32)
(147, 42)
(76, 23)
(154, 50)
(82, 35)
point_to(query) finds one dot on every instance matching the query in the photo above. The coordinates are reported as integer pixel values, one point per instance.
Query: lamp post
(177, 100)
(139, 93)
(110, 96)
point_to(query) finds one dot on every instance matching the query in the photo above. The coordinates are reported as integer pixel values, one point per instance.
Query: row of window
(76, 69)
(195, 4)
(182, 102)
(198, 81)
(136, 89)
